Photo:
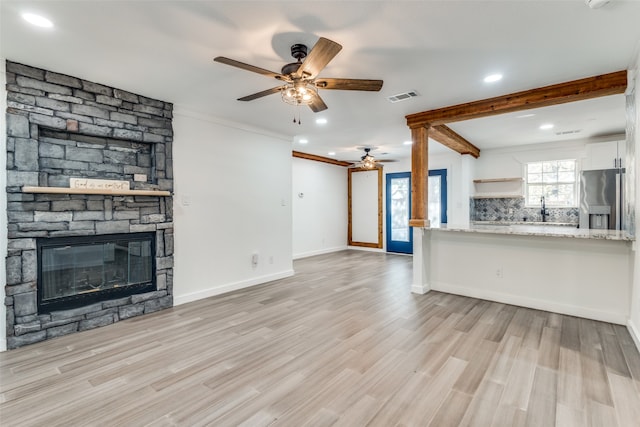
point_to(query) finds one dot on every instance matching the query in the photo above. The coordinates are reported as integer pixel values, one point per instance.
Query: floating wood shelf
(482, 181)
(498, 188)
(64, 190)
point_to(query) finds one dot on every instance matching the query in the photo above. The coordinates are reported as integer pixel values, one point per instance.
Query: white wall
(458, 169)
(634, 319)
(232, 199)
(580, 277)
(3, 203)
(319, 203)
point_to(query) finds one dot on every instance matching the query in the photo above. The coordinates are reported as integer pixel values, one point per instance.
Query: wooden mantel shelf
(64, 190)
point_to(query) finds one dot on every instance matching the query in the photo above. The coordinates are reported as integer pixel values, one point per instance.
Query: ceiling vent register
(403, 96)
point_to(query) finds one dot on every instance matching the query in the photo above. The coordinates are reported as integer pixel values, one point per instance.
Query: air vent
(402, 96)
(568, 132)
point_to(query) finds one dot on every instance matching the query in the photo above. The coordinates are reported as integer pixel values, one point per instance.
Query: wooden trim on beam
(576, 90)
(322, 159)
(447, 137)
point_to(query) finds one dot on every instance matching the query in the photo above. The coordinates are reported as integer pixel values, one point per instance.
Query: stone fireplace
(83, 259)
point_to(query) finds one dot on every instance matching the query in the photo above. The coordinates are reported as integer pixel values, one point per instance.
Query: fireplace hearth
(79, 270)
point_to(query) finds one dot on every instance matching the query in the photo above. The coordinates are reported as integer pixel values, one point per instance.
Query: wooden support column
(419, 177)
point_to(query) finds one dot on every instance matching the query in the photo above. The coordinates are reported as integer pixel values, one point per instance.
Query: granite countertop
(536, 229)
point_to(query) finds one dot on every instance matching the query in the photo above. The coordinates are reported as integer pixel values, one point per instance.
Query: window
(555, 180)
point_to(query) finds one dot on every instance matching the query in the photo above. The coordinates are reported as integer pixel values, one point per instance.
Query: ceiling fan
(301, 77)
(368, 161)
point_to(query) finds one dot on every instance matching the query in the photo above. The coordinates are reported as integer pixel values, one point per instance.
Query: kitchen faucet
(543, 211)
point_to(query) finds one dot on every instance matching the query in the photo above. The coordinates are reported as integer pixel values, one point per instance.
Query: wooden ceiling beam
(447, 137)
(576, 90)
(322, 159)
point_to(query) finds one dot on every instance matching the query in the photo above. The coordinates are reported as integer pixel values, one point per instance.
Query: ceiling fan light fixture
(368, 162)
(299, 93)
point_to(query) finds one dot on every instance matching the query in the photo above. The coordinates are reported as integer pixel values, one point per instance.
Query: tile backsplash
(514, 210)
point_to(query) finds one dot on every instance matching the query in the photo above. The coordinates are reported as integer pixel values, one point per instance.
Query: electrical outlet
(499, 273)
(254, 259)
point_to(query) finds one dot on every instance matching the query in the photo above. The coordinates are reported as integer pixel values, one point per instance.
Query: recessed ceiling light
(408, 142)
(37, 20)
(321, 121)
(303, 141)
(493, 78)
(524, 116)
(332, 153)
(546, 126)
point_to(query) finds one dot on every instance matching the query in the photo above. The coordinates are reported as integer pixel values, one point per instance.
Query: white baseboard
(634, 331)
(571, 310)
(206, 293)
(420, 289)
(319, 252)
(366, 249)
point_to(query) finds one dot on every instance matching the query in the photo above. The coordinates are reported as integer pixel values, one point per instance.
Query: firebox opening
(80, 270)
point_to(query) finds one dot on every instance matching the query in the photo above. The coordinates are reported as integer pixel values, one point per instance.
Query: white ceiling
(442, 49)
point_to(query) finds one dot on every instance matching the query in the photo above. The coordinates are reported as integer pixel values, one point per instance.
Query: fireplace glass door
(71, 268)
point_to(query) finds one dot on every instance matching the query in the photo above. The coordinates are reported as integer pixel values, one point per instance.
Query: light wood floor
(343, 342)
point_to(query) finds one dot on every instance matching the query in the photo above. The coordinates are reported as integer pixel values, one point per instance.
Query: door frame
(350, 242)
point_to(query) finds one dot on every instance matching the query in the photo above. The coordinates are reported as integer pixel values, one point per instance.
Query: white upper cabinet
(605, 155)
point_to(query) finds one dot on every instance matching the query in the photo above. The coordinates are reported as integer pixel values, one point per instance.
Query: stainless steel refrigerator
(601, 198)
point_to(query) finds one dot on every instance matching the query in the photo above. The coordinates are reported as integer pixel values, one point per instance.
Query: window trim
(551, 204)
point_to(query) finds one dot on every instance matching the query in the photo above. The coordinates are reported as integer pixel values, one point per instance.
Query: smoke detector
(596, 4)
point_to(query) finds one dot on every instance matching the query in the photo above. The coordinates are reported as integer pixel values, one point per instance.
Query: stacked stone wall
(61, 127)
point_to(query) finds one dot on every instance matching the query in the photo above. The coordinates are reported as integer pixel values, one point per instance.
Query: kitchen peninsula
(584, 273)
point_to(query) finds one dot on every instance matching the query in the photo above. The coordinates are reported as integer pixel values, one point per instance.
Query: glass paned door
(399, 234)
(437, 197)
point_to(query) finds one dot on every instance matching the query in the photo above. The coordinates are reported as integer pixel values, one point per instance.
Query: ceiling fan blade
(349, 84)
(323, 52)
(317, 104)
(261, 94)
(242, 65)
